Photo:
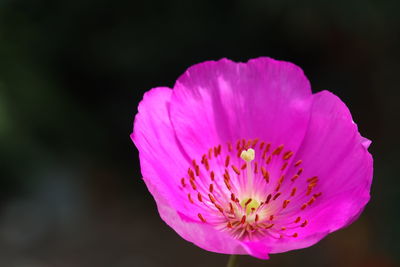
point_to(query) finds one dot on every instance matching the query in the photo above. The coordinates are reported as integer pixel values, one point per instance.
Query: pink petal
(219, 101)
(162, 165)
(334, 151)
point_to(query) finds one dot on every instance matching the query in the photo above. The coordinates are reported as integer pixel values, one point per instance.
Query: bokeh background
(71, 76)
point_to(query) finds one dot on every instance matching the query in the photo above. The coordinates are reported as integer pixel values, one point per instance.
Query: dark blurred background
(71, 76)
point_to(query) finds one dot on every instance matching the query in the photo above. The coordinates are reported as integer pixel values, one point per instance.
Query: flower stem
(233, 261)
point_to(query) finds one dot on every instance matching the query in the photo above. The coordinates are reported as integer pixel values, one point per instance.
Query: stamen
(276, 196)
(190, 199)
(227, 161)
(211, 188)
(304, 223)
(212, 199)
(297, 219)
(268, 199)
(265, 174)
(191, 173)
(262, 145)
(193, 184)
(284, 166)
(293, 192)
(201, 218)
(278, 150)
(294, 177)
(312, 179)
(287, 155)
(285, 203)
(298, 163)
(183, 182)
(235, 169)
(199, 197)
(295, 235)
(243, 219)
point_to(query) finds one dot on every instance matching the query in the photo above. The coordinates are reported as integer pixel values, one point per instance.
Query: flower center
(251, 191)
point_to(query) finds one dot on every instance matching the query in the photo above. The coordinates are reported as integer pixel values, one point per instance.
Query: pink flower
(241, 158)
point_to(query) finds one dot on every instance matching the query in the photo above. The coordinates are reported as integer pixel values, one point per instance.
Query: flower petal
(220, 101)
(155, 139)
(334, 151)
(162, 165)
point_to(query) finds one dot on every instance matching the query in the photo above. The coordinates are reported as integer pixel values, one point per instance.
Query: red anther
(243, 219)
(211, 188)
(271, 217)
(231, 208)
(183, 182)
(311, 201)
(228, 185)
(199, 197)
(247, 202)
(298, 163)
(297, 219)
(295, 235)
(294, 178)
(277, 187)
(212, 175)
(219, 207)
(276, 196)
(284, 166)
(268, 199)
(267, 147)
(318, 194)
(247, 146)
(299, 171)
(227, 161)
(193, 184)
(287, 155)
(303, 206)
(201, 218)
(212, 199)
(256, 218)
(191, 173)
(293, 192)
(285, 203)
(304, 223)
(190, 198)
(278, 150)
(312, 179)
(262, 145)
(243, 166)
(269, 159)
(235, 169)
